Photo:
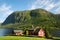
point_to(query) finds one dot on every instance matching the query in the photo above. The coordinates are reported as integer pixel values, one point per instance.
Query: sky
(9, 6)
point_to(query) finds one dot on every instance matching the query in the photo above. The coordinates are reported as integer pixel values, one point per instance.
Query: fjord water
(5, 31)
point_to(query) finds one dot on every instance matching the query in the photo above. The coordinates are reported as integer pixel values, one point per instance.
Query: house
(39, 32)
(18, 32)
(36, 31)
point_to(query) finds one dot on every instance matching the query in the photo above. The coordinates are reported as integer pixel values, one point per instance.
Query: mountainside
(39, 17)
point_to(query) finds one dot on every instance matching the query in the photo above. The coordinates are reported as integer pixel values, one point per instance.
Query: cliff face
(37, 16)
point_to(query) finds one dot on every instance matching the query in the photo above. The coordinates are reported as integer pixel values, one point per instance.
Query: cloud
(50, 6)
(58, 7)
(1, 21)
(46, 4)
(5, 10)
(58, 10)
(40, 3)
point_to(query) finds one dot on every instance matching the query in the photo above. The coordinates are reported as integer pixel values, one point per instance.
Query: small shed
(18, 32)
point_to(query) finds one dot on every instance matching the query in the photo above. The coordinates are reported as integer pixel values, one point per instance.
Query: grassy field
(19, 38)
(56, 38)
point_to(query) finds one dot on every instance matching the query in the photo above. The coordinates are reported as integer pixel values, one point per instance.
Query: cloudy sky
(9, 6)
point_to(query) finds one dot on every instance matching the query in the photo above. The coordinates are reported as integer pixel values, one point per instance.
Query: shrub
(47, 34)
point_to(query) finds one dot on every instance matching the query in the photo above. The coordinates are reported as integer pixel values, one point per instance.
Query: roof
(37, 29)
(18, 30)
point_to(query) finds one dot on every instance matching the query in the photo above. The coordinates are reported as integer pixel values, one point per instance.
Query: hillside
(37, 17)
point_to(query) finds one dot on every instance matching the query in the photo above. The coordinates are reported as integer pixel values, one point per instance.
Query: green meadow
(20, 38)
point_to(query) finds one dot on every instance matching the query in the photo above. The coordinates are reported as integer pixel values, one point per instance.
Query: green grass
(20, 38)
(56, 38)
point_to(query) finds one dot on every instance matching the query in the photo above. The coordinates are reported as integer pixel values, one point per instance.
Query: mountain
(37, 17)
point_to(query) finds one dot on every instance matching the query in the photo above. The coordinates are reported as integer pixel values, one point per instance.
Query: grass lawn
(19, 38)
(56, 38)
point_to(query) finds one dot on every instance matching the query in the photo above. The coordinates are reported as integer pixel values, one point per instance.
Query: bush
(47, 34)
